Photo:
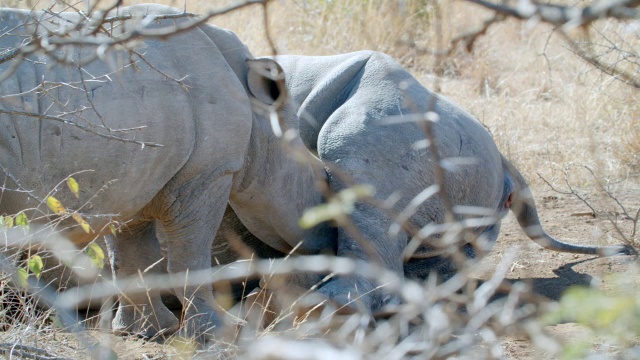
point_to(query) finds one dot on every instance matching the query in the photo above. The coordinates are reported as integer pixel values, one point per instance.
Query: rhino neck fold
(276, 188)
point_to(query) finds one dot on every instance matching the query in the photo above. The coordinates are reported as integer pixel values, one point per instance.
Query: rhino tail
(520, 200)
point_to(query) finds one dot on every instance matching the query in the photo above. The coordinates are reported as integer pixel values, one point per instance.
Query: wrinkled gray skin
(343, 102)
(217, 148)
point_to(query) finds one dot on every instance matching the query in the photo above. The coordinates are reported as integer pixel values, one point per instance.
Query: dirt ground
(552, 273)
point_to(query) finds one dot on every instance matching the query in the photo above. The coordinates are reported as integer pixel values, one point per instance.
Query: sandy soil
(551, 273)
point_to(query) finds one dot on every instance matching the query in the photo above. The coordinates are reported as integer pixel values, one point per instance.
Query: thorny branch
(88, 129)
(553, 14)
(570, 192)
(612, 70)
(45, 88)
(466, 39)
(49, 43)
(7, 174)
(565, 15)
(180, 81)
(58, 37)
(628, 239)
(46, 42)
(606, 190)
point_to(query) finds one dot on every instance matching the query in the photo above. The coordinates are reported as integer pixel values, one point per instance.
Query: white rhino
(192, 93)
(363, 113)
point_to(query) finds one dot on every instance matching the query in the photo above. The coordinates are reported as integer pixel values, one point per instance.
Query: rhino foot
(200, 324)
(144, 321)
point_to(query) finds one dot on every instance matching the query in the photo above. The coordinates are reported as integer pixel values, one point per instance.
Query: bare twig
(570, 192)
(606, 191)
(566, 15)
(17, 182)
(180, 81)
(52, 42)
(612, 70)
(628, 239)
(82, 127)
(466, 39)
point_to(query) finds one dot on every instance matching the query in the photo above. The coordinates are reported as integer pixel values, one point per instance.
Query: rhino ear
(265, 80)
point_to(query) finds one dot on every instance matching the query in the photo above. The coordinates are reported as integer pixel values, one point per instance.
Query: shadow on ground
(553, 287)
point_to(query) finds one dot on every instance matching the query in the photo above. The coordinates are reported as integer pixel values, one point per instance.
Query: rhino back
(349, 98)
(203, 123)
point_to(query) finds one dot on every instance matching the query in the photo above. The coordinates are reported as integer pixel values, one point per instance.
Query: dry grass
(545, 107)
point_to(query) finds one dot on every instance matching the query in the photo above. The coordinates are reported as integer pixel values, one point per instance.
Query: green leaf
(55, 205)
(185, 347)
(577, 349)
(94, 251)
(22, 278)
(113, 229)
(73, 186)
(7, 222)
(352, 194)
(82, 222)
(36, 265)
(337, 207)
(22, 220)
(99, 351)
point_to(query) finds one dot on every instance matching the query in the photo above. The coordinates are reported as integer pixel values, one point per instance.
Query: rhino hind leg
(140, 313)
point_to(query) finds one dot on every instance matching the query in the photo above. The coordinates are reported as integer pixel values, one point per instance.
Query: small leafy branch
(611, 318)
(34, 264)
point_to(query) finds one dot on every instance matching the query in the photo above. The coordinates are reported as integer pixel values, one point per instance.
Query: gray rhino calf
(362, 113)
